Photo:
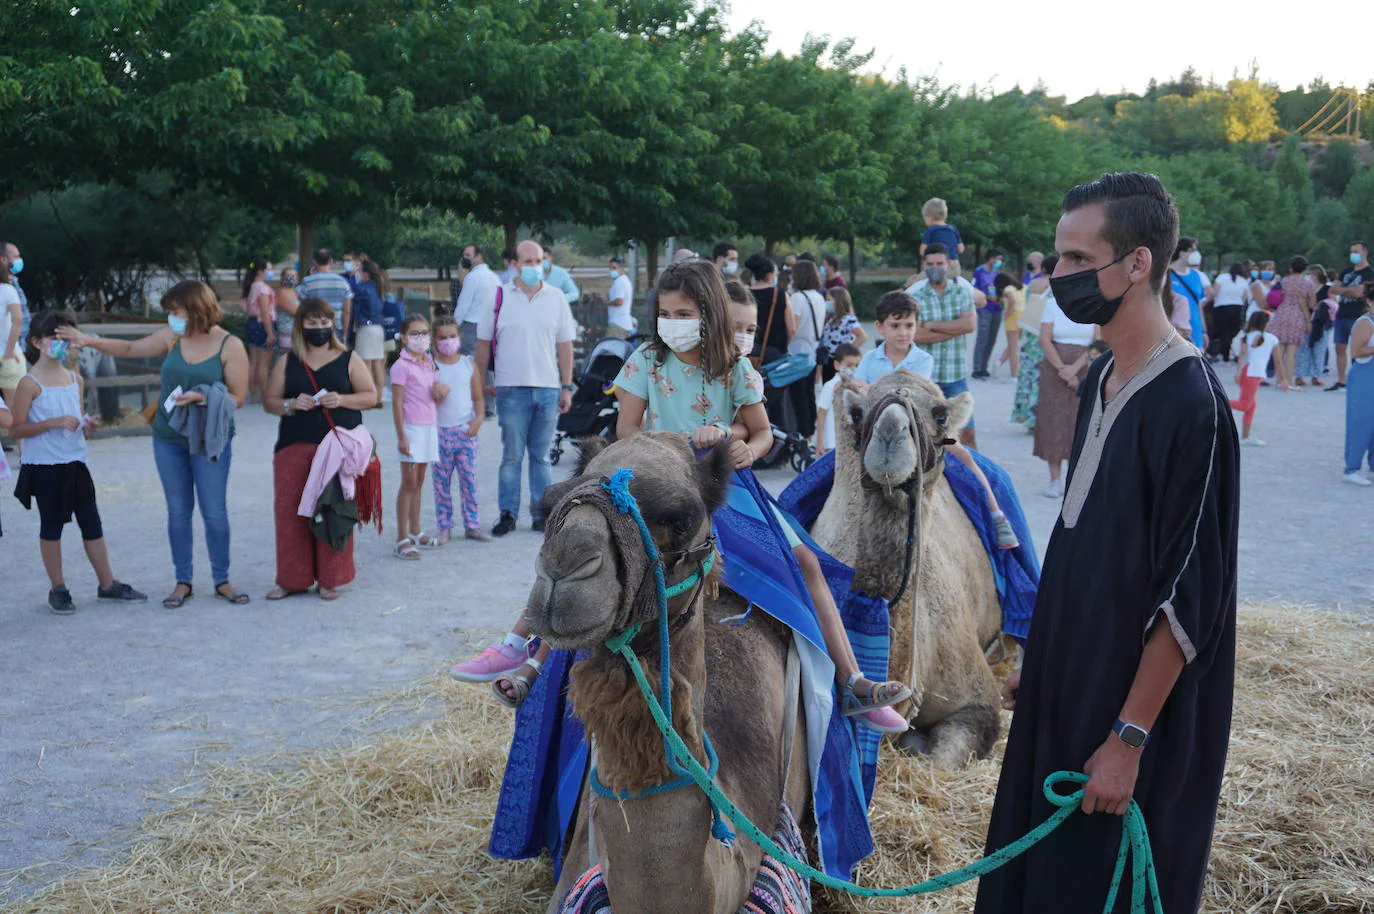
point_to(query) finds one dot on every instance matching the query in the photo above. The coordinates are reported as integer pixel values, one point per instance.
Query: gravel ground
(110, 711)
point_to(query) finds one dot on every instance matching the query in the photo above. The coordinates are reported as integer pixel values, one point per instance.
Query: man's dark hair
(896, 303)
(1359, 244)
(1140, 213)
(993, 254)
(508, 254)
(832, 262)
(722, 249)
(845, 351)
(1184, 244)
(323, 256)
(477, 249)
(1049, 263)
(935, 247)
(760, 266)
(808, 256)
(1297, 264)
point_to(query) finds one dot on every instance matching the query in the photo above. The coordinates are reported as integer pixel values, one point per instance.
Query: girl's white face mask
(745, 342)
(680, 335)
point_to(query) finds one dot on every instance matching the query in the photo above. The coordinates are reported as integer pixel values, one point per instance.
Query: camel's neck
(659, 846)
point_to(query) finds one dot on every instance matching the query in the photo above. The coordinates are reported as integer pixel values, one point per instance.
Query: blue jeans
(186, 478)
(1359, 417)
(528, 417)
(954, 389)
(989, 322)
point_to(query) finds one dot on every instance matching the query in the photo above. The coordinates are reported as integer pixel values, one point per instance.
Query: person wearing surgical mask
(620, 323)
(201, 360)
(1193, 285)
(726, 258)
(9, 252)
(528, 332)
(560, 278)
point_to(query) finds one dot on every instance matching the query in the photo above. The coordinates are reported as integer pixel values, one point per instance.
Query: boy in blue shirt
(935, 212)
(897, 314)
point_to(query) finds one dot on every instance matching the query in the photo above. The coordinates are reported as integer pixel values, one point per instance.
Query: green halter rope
(1135, 838)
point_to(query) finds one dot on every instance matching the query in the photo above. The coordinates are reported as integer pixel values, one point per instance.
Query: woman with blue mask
(204, 379)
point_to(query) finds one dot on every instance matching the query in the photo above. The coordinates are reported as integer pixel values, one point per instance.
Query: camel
(592, 581)
(948, 613)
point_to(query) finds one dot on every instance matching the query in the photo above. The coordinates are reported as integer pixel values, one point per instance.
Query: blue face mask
(530, 276)
(824, 272)
(1266, 274)
(614, 273)
(548, 265)
(997, 264)
(177, 323)
(270, 275)
(17, 266)
(56, 349)
(1254, 274)
(1355, 258)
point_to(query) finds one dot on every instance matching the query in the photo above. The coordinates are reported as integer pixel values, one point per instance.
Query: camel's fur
(657, 852)
(950, 612)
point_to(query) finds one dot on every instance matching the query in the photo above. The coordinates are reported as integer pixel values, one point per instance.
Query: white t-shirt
(479, 290)
(826, 400)
(1257, 360)
(456, 408)
(810, 308)
(9, 297)
(1065, 330)
(1231, 291)
(526, 335)
(619, 315)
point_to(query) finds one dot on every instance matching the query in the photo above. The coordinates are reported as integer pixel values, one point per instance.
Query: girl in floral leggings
(460, 417)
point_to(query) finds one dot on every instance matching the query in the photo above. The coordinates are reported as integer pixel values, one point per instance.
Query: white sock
(514, 640)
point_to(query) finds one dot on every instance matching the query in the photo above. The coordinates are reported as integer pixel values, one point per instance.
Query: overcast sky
(1078, 48)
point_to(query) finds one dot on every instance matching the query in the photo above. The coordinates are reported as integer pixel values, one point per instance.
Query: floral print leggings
(456, 452)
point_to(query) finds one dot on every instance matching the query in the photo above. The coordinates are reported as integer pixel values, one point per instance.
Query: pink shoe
(492, 663)
(882, 720)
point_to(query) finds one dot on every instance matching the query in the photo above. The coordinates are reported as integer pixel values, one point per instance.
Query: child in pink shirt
(415, 388)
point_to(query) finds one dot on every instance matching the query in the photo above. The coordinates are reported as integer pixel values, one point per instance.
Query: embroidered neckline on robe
(1101, 422)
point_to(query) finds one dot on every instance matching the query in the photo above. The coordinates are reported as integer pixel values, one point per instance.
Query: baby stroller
(594, 407)
(790, 447)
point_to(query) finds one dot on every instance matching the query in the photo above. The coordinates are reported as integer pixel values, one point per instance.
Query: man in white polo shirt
(620, 302)
(529, 326)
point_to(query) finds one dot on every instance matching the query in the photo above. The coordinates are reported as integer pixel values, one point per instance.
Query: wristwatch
(1130, 734)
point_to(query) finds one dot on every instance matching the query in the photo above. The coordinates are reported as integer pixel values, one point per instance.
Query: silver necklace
(1160, 348)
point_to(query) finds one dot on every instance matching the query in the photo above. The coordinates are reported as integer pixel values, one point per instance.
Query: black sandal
(176, 602)
(237, 598)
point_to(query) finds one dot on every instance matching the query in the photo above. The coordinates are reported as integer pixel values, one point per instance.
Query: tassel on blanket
(367, 494)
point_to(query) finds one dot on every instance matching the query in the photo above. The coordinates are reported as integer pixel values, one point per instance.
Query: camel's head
(592, 575)
(900, 426)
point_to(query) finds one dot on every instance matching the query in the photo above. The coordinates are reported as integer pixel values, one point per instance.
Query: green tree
(1359, 203)
(1250, 116)
(1295, 178)
(1335, 168)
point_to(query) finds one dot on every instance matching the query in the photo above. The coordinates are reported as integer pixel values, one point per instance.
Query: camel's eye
(940, 414)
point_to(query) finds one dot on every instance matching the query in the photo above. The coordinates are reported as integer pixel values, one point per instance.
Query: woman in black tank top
(303, 560)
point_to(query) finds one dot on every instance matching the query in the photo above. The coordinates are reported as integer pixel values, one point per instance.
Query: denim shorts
(1344, 325)
(953, 389)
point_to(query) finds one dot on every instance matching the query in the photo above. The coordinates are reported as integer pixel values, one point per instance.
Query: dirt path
(110, 708)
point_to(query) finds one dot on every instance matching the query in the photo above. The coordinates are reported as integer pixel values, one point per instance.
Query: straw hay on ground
(400, 824)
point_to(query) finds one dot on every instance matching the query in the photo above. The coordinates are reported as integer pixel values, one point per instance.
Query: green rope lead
(1135, 841)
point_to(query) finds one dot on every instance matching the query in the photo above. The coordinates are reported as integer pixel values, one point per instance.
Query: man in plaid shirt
(947, 316)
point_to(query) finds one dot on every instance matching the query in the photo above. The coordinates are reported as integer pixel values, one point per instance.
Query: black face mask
(466, 263)
(1080, 297)
(317, 336)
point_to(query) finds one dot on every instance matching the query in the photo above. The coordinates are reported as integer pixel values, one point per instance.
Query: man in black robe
(1131, 654)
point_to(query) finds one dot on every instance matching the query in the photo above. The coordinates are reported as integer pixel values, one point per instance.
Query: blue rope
(1135, 837)
(618, 486)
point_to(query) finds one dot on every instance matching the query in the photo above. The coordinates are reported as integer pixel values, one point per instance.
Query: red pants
(302, 560)
(1249, 387)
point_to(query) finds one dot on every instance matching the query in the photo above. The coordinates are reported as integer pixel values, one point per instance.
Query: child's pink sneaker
(495, 661)
(883, 720)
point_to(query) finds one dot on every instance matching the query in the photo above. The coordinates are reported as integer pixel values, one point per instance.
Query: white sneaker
(1251, 442)
(1055, 489)
(1355, 479)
